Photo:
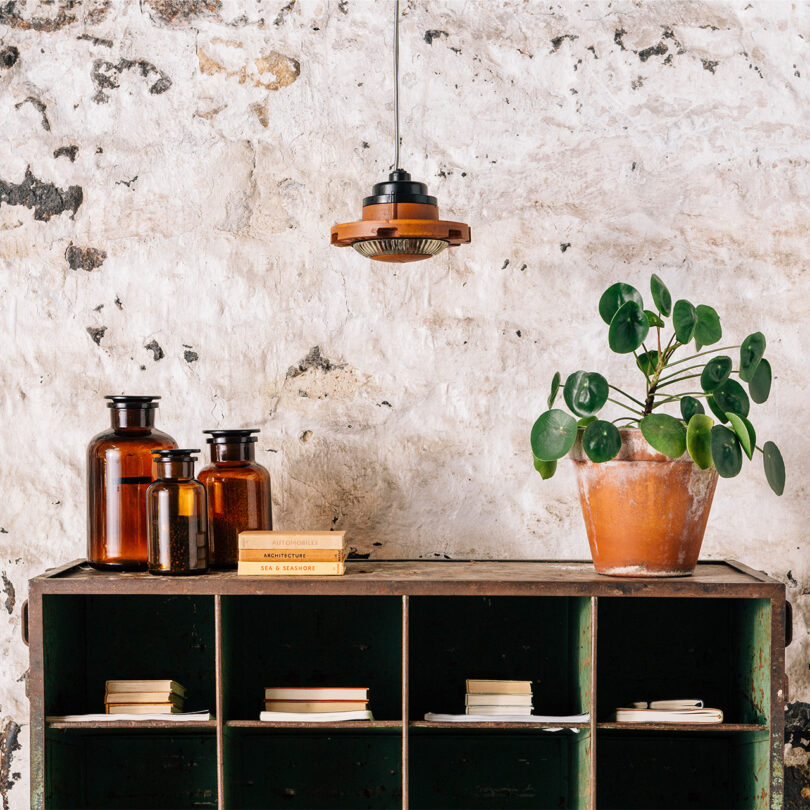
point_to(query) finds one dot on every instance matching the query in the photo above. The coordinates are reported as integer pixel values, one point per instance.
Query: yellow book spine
(290, 569)
(291, 555)
(264, 540)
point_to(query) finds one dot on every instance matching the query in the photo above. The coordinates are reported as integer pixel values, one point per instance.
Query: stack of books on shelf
(284, 554)
(689, 710)
(499, 697)
(144, 697)
(315, 704)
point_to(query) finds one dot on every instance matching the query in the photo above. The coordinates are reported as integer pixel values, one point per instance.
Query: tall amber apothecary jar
(178, 518)
(119, 470)
(238, 492)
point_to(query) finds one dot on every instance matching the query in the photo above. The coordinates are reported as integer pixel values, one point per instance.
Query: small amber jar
(119, 470)
(178, 518)
(238, 493)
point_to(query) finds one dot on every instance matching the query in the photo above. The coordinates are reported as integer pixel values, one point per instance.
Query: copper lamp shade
(400, 224)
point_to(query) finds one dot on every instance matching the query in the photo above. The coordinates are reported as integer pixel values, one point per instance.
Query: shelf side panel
(753, 670)
(581, 783)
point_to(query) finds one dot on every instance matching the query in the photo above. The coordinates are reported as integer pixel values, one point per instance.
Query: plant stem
(676, 397)
(625, 419)
(680, 371)
(632, 399)
(669, 380)
(625, 405)
(701, 354)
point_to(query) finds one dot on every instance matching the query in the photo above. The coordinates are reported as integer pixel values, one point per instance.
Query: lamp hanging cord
(396, 85)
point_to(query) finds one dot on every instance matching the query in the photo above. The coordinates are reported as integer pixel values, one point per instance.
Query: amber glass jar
(178, 518)
(119, 469)
(238, 493)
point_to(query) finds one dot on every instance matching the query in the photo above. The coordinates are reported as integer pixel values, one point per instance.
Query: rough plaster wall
(169, 171)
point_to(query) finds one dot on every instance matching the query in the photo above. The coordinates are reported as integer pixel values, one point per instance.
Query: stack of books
(687, 710)
(144, 697)
(284, 554)
(315, 704)
(499, 697)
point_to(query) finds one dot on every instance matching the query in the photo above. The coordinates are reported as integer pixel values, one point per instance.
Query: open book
(668, 711)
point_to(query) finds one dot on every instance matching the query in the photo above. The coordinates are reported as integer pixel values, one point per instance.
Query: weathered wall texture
(169, 171)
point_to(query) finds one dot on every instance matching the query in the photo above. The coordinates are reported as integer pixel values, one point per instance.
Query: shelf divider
(220, 714)
(592, 707)
(405, 696)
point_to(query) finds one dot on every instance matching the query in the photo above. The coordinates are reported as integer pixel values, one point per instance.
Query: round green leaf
(601, 441)
(716, 409)
(740, 426)
(689, 407)
(760, 385)
(751, 351)
(731, 397)
(726, 452)
(665, 433)
(553, 435)
(707, 328)
(648, 362)
(684, 319)
(660, 294)
(715, 372)
(699, 440)
(585, 392)
(545, 468)
(653, 319)
(628, 328)
(555, 387)
(585, 421)
(774, 467)
(614, 297)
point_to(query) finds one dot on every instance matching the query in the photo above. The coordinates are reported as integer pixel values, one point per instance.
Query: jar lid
(236, 436)
(175, 454)
(146, 403)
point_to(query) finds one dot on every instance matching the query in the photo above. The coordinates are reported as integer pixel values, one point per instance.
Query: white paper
(314, 717)
(507, 718)
(199, 716)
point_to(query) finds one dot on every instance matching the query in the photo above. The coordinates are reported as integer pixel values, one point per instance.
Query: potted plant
(647, 478)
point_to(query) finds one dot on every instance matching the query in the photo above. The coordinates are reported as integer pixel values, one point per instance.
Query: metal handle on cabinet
(788, 623)
(24, 622)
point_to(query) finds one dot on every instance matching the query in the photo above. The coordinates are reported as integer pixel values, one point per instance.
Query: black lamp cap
(175, 454)
(399, 188)
(236, 436)
(145, 403)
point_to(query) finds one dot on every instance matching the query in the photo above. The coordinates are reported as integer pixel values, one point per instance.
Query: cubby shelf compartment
(412, 632)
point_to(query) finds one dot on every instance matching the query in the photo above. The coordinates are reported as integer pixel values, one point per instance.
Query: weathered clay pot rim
(634, 448)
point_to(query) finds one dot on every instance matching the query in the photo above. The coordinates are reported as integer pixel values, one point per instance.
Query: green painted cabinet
(412, 632)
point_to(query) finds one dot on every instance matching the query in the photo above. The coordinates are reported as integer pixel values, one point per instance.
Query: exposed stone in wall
(208, 146)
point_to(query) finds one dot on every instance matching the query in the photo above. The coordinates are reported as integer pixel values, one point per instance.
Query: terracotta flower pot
(645, 513)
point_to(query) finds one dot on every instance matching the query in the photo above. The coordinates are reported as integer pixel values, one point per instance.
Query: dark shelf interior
(545, 640)
(93, 639)
(141, 771)
(711, 649)
(315, 771)
(684, 771)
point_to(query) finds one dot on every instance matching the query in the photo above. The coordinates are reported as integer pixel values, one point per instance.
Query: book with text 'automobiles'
(262, 540)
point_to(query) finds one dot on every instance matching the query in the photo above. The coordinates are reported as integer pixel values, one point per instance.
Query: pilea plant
(708, 381)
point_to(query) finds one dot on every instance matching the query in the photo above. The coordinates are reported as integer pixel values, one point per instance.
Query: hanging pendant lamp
(400, 219)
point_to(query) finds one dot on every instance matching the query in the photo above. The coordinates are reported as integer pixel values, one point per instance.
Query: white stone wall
(170, 169)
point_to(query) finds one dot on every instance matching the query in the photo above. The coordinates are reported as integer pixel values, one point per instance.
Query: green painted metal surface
(318, 771)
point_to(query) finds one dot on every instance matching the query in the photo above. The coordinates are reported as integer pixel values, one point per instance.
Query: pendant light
(400, 219)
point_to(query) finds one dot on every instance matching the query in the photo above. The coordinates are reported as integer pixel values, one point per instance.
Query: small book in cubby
(315, 704)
